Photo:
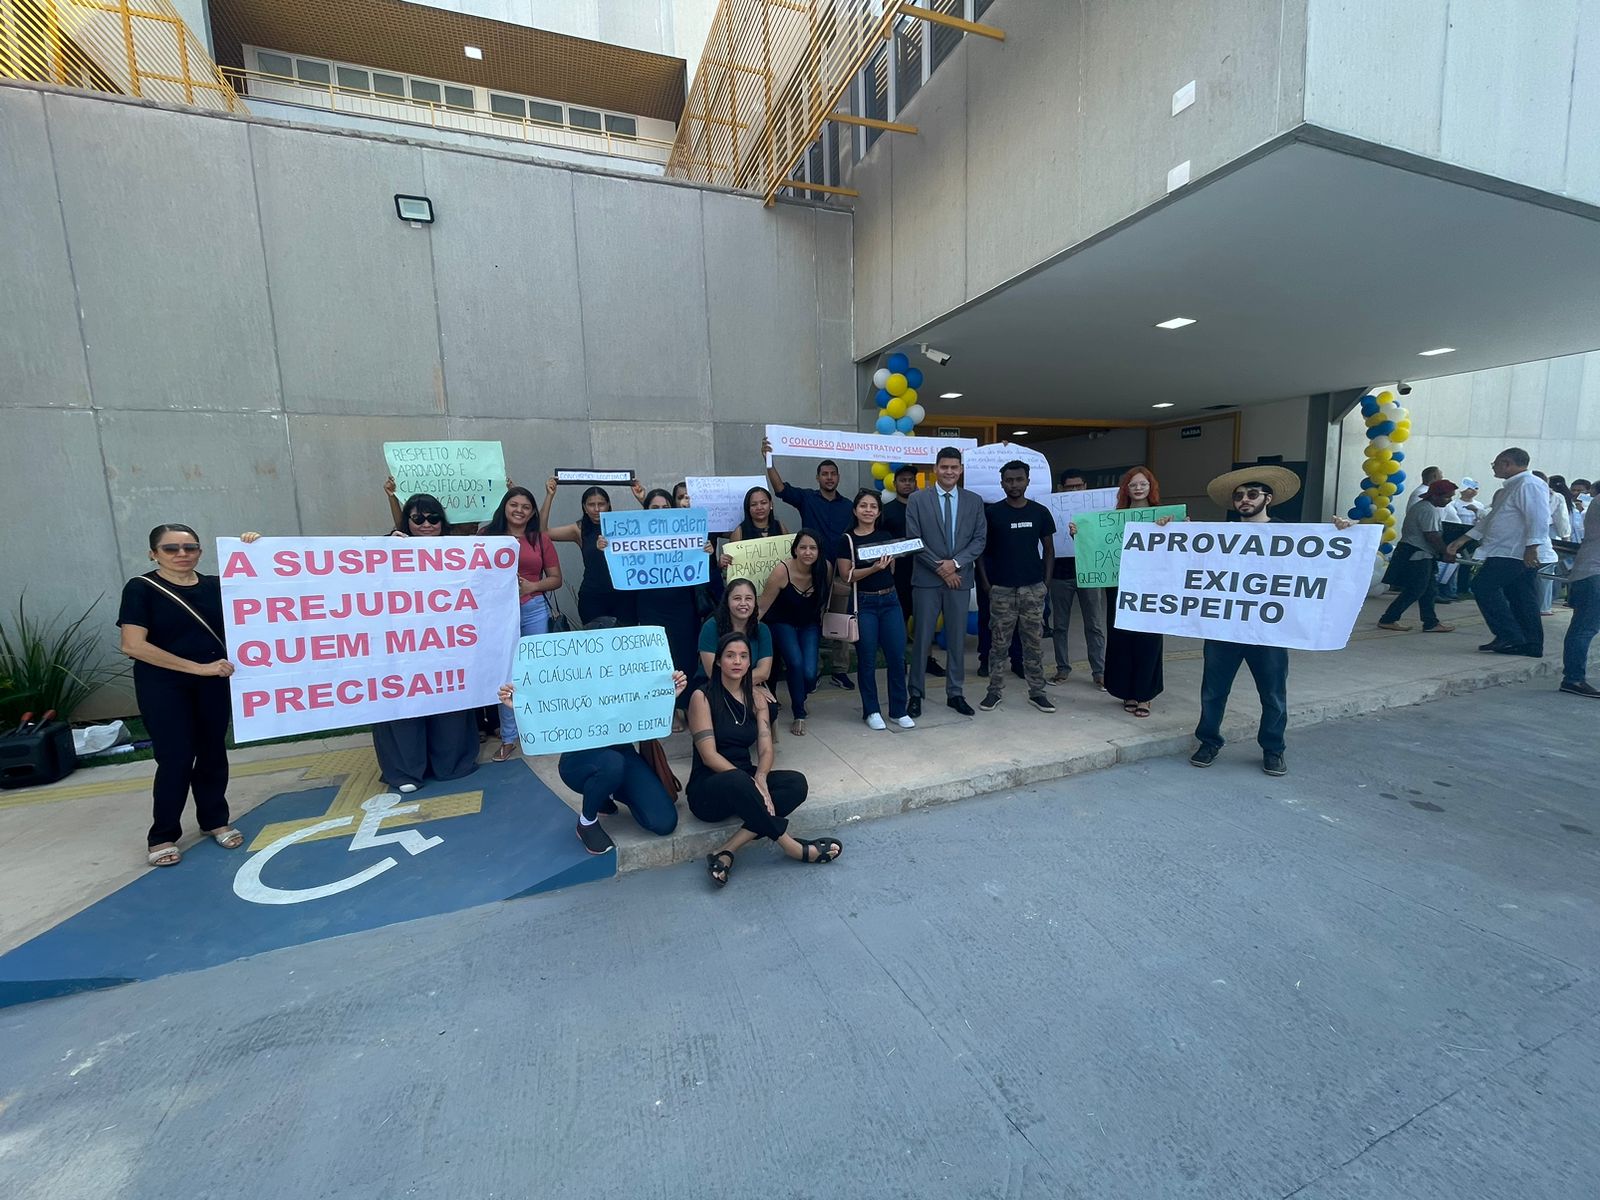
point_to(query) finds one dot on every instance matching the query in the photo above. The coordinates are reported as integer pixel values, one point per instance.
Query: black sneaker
(1203, 756)
(1042, 702)
(1581, 689)
(990, 701)
(595, 839)
(934, 669)
(983, 668)
(1273, 764)
(844, 681)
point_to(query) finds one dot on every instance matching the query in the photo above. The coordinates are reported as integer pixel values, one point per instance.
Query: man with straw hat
(1249, 494)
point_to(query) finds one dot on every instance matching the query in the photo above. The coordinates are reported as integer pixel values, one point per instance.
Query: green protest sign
(1099, 540)
(468, 478)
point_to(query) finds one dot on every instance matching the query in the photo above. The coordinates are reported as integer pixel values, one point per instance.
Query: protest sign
(859, 447)
(1296, 586)
(468, 478)
(754, 559)
(872, 554)
(330, 632)
(722, 496)
(656, 548)
(1099, 540)
(1067, 507)
(579, 691)
(565, 475)
(983, 463)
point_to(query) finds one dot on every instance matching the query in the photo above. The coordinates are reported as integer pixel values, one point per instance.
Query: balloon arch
(1388, 427)
(896, 384)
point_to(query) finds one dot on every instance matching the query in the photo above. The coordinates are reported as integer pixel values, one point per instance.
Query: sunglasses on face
(1250, 494)
(179, 548)
(426, 519)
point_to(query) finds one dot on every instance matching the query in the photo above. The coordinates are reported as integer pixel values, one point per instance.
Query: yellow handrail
(141, 49)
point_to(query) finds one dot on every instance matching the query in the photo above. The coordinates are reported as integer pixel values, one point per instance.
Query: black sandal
(717, 869)
(819, 844)
(1129, 705)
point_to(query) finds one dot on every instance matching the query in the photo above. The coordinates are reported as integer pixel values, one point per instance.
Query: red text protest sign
(330, 632)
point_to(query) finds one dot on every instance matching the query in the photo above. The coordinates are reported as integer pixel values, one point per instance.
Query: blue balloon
(1355, 514)
(1369, 405)
(894, 469)
(885, 424)
(1386, 549)
(1398, 479)
(1398, 455)
(1367, 485)
(1381, 429)
(878, 483)
(898, 364)
(883, 398)
(914, 377)
(1364, 504)
(905, 424)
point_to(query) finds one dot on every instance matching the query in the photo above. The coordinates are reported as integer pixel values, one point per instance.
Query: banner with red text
(860, 447)
(326, 633)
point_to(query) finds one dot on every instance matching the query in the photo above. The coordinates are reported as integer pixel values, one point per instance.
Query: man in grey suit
(950, 521)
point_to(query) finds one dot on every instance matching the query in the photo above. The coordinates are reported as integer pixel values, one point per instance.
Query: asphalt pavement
(1374, 977)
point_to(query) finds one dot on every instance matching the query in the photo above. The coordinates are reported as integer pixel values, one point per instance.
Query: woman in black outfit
(732, 775)
(440, 745)
(674, 610)
(1133, 657)
(171, 621)
(597, 597)
(759, 522)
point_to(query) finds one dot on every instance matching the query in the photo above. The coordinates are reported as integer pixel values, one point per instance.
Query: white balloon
(916, 412)
(1380, 443)
(880, 377)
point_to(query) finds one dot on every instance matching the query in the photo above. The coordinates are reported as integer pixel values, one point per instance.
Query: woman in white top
(1560, 531)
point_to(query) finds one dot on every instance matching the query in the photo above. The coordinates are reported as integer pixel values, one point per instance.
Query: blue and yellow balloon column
(1378, 503)
(899, 413)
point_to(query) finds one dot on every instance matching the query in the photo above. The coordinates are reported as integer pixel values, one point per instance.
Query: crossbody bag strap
(184, 604)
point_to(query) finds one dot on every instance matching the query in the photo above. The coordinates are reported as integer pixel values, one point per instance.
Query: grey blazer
(925, 520)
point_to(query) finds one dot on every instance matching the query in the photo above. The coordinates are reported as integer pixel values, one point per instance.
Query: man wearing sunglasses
(1249, 494)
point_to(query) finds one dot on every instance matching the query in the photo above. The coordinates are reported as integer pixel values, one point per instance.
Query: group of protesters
(728, 638)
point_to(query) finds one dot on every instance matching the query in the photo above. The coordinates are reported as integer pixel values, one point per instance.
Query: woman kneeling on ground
(726, 781)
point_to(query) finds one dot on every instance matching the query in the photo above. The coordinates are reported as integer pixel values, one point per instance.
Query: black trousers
(1417, 579)
(1509, 602)
(187, 717)
(718, 797)
(440, 746)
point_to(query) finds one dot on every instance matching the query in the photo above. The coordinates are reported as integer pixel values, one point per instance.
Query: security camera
(935, 356)
(1403, 388)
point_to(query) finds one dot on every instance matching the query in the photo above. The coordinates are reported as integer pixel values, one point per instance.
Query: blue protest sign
(656, 548)
(578, 691)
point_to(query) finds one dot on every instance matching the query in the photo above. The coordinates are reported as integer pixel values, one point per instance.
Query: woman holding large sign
(1133, 659)
(172, 628)
(597, 597)
(538, 572)
(673, 609)
(732, 774)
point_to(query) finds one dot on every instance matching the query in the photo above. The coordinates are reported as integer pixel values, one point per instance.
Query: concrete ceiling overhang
(1309, 268)
(417, 39)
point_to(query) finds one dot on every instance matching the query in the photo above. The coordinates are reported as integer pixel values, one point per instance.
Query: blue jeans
(619, 773)
(799, 647)
(1269, 666)
(535, 619)
(883, 627)
(1585, 596)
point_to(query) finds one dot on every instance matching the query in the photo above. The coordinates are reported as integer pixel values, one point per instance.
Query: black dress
(597, 596)
(715, 796)
(674, 610)
(1133, 659)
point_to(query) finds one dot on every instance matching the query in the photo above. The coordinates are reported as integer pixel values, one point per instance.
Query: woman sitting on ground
(732, 774)
(791, 605)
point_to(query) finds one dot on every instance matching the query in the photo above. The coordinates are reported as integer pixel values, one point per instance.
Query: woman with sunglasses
(171, 620)
(732, 774)
(398, 512)
(538, 572)
(598, 599)
(440, 745)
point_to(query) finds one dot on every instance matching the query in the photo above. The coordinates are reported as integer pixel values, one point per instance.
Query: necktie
(949, 523)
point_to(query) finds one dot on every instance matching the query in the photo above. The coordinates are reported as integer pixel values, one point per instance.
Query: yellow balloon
(1385, 397)
(1376, 419)
(896, 408)
(880, 470)
(1387, 489)
(896, 386)
(909, 396)
(1400, 435)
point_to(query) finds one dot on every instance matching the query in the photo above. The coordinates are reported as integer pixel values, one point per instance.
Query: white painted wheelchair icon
(247, 884)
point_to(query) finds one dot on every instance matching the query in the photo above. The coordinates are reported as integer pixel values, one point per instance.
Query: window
(877, 89)
(582, 118)
(942, 39)
(427, 92)
(353, 79)
(460, 97)
(979, 7)
(388, 85)
(550, 113)
(907, 61)
(622, 126)
(507, 106)
(274, 64)
(312, 72)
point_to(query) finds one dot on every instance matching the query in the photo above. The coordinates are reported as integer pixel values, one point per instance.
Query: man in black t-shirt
(1018, 557)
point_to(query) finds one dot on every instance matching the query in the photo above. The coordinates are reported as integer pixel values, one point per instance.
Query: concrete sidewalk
(64, 847)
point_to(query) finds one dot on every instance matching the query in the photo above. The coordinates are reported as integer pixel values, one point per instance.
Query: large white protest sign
(1067, 507)
(1263, 584)
(983, 463)
(656, 548)
(578, 691)
(722, 496)
(860, 447)
(330, 632)
(468, 478)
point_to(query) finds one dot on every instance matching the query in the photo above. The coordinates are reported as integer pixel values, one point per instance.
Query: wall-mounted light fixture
(416, 209)
(473, 52)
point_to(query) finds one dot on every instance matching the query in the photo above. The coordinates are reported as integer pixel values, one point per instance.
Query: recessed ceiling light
(1018, 432)
(1436, 351)
(473, 51)
(951, 395)
(1163, 404)
(1175, 323)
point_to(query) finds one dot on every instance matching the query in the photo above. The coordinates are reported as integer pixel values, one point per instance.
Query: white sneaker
(875, 721)
(905, 722)
(408, 787)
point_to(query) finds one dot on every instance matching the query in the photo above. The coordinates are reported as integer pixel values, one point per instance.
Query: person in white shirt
(1560, 531)
(1464, 511)
(1514, 540)
(1429, 476)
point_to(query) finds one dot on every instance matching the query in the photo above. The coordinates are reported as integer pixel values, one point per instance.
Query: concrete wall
(218, 321)
(1031, 145)
(1507, 87)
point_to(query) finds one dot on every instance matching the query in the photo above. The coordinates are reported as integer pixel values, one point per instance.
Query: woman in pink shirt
(538, 572)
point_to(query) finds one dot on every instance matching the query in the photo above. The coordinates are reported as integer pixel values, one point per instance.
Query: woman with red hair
(1133, 659)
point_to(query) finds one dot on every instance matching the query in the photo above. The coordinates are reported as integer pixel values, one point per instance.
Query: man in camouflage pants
(1018, 557)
